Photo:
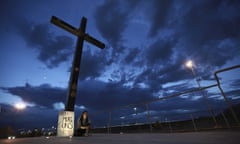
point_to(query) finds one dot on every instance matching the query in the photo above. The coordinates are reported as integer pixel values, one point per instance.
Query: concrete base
(65, 124)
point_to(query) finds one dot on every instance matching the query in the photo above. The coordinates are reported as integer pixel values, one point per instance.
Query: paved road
(174, 138)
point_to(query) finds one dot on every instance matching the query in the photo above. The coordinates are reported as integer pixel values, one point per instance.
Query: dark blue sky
(147, 44)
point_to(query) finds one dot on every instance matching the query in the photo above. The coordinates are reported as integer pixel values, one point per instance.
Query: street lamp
(20, 106)
(190, 64)
(135, 109)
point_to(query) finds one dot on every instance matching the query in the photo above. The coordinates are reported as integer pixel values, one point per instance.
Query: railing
(180, 111)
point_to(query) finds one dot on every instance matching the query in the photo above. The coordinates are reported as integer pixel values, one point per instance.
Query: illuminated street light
(190, 64)
(135, 109)
(20, 106)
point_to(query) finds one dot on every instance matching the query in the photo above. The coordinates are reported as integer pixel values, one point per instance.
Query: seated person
(83, 124)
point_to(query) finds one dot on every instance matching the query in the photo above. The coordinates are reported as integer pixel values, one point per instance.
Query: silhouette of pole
(189, 64)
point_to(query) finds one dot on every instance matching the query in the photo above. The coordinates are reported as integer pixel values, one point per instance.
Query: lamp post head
(189, 64)
(20, 106)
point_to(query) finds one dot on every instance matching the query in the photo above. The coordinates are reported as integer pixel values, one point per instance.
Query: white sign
(65, 123)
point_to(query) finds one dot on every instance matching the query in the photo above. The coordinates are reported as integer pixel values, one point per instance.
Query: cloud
(43, 95)
(93, 64)
(131, 57)
(59, 106)
(159, 12)
(159, 52)
(108, 95)
(201, 31)
(98, 95)
(52, 49)
(109, 14)
(112, 19)
(235, 83)
(206, 29)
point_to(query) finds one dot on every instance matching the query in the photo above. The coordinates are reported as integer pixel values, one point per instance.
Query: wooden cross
(80, 33)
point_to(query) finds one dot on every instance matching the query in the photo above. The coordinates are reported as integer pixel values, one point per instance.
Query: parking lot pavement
(171, 138)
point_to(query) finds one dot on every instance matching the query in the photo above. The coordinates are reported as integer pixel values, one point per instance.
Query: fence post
(223, 94)
(109, 122)
(169, 125)
(149, 117)
(225, 119)
(194, 125)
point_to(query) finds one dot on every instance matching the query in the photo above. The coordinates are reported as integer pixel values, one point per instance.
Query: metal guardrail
(222, 92)
(195, 121)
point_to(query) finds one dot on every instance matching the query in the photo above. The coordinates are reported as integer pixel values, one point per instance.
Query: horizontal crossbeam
(76, 32)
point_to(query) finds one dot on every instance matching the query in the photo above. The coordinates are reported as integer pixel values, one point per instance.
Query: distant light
(20, 106)
(189, 64)
(11, 137)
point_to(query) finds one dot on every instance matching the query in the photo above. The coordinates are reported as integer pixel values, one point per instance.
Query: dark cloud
(52, 49)
(173, 72)
(157, 75)
(159, 52)
(103, 96)
(235, 83)
(212, 20)
(202, 31)
(111, 21)
(207, 28)
(112, 18)
(43, 95)
(159, 15)
(132, 56)
(93, 94)
(93, 64)
(100, 97)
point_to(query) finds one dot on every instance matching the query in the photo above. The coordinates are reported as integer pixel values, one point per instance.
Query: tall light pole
(190, 64)
(18, 107)
(135, 109)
